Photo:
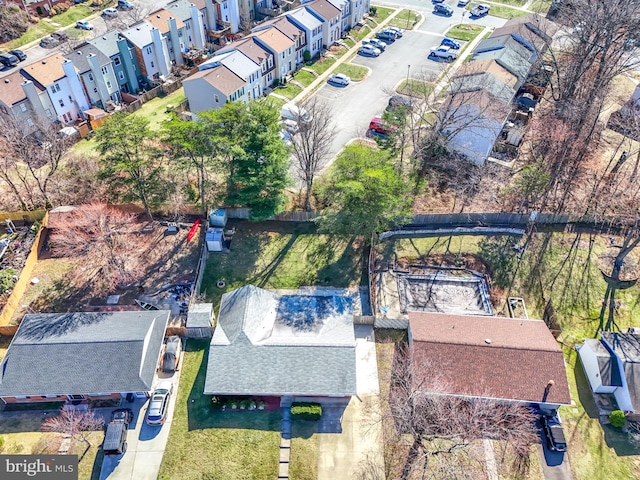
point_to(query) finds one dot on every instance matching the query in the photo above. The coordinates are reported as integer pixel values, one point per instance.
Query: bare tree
(311, 144)
(76, 423)
(442, 429)
(102, 236)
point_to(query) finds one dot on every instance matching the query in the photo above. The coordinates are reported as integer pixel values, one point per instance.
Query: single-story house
(505, 359)
(612, 365)
(297, 345)
(82, 355)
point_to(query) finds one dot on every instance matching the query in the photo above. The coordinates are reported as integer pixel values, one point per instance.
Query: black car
(122, 415)
(441, 9)
(60, 36)
(19, 53)
(8, 60)
(554, 433)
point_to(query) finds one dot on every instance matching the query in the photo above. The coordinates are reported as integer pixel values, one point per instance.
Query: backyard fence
(164, 89)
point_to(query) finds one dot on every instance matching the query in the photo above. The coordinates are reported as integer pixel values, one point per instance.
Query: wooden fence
(13, 302)
(164, 89)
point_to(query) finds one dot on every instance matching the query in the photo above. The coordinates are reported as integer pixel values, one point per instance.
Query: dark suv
(554, 433)
(441, 9)
(8, 60)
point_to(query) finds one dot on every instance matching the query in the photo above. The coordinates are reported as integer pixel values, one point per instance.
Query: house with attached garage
(504, 359)
(612, 365)
(83, 355)
(292, 346)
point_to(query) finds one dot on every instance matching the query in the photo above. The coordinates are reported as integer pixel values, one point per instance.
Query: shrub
(306, 56)
(617, 418)
(373, 10)
(306, 411)
(217, 402)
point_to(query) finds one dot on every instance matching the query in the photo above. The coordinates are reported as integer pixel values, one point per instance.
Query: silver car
(339, 79)
(159, 403)
(369, 51)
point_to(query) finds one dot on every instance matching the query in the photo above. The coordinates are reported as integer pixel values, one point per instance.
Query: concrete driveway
(145, 444)
(555, 465)
(366, 364)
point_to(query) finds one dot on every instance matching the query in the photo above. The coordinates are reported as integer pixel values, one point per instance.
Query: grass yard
(406, 19)
(34, 32)
(415, 88)
(75, 13)
(359, 34)
(355, 72)
(155, 110)
(503, 11)
(303, 463)
(540, 6)
(382, 13)
(275, 101)
(283, 255)
(290, 91)
(465, 32)
(216, 445)
(305, 77)
(513, 3)
(322, 64)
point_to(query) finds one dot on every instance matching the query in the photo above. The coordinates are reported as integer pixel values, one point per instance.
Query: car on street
(480, 11)
(18, 53)
(463, 3)
(437, 1)
(339, 79)
(49, 42)
(125, 5)
(122, 415)
(554, 433)
(60, 36)
(444, 52)
(387, 35)
(84, 25)
(379, 126)
(109, 12)
(379, 44)
(171, 356)
(445, 10)
(159, 403)
(8, 60)
(450, 42)
(398, 31)
(369, 51)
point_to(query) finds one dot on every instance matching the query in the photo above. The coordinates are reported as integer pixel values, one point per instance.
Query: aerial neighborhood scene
(324, 239)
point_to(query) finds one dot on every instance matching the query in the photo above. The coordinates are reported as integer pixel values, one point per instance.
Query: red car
(378, 125)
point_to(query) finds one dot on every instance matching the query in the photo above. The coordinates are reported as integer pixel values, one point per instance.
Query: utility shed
(215, 239)
(218, 218)
(200, 321)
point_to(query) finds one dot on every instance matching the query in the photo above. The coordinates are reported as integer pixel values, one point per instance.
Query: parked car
(171, 356)
(84, 25)
(450, 42)
(49, 42)
(398, 31)
(463, 3)
(554, 433)
(18, 53)
(378, 125)
(8, 60)
(480, 11)
(526, 102)
(379, 44)
(122, 415)
(387, 35)
(109, 12)
(369, 51)
(339, 79)
(445, 10)
(125, 5)
(79, 1)
(159, 403)
(60, 36)
(115, 439)
(443, 52)
(437, 1)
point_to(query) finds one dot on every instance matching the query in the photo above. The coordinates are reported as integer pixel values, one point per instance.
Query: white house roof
(236, 61)
(304, 18)
(140, 34)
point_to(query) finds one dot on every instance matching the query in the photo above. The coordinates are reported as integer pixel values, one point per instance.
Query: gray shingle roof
(107, 43)
(200, 315)
(511, 55)
(483, 81)
(80, 54)
(139, 34)
(627, 347)
(83, 353)
(268, 344)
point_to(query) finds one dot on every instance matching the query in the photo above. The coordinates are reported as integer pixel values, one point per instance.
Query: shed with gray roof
(83, 353)
(276, 345)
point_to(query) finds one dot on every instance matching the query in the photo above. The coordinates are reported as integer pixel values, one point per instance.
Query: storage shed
(218, 218)
(215, 239)
(200, 321)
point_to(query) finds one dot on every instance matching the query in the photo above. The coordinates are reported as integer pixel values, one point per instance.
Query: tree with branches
(78, 424)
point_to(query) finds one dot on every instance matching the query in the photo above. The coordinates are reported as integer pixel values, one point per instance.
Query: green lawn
(406, 19)
(415, 88)
(382, 13)
(155, 110)
(303, 464)
(75, 13)
(359, 34)
(322, 65)
(357, 73)
(540, 6)
(502, 11)
(465, 31)
(513, 3)
(290, 91)
(215, 445)
(305, 77)
(283, 255)
(34, 32)
(275, 101)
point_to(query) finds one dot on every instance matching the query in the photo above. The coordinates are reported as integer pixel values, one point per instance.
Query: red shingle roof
(493, 357)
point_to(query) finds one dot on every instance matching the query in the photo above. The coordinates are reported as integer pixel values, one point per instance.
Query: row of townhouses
(100, 71)
(242, 70)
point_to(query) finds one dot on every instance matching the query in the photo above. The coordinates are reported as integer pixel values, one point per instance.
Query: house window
(90, 77)
(216, 98)
(23, 107)
(61, 102)
(108, 84)
(148, 50)
(95, 90)
(55, 88)
(116, 61)
(29, 122)
(152, 65)
(121, 75)
(105, 70)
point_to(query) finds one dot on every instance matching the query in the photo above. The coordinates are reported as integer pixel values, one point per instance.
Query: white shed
(218, 218)
(215, 239)
(600, 367)
(200, 320)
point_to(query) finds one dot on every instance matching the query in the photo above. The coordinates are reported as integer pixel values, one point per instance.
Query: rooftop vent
(487, 341)
(6, 80)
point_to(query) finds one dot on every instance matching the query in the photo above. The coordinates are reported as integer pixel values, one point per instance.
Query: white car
(84, 25)
(398, 31)
(110, 12)
(443, 52)
(369, 51)
(339, 79)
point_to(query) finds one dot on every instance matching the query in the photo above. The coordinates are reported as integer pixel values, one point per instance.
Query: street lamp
(408, 70)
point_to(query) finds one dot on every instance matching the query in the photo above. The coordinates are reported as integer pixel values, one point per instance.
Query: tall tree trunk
(414, 451)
